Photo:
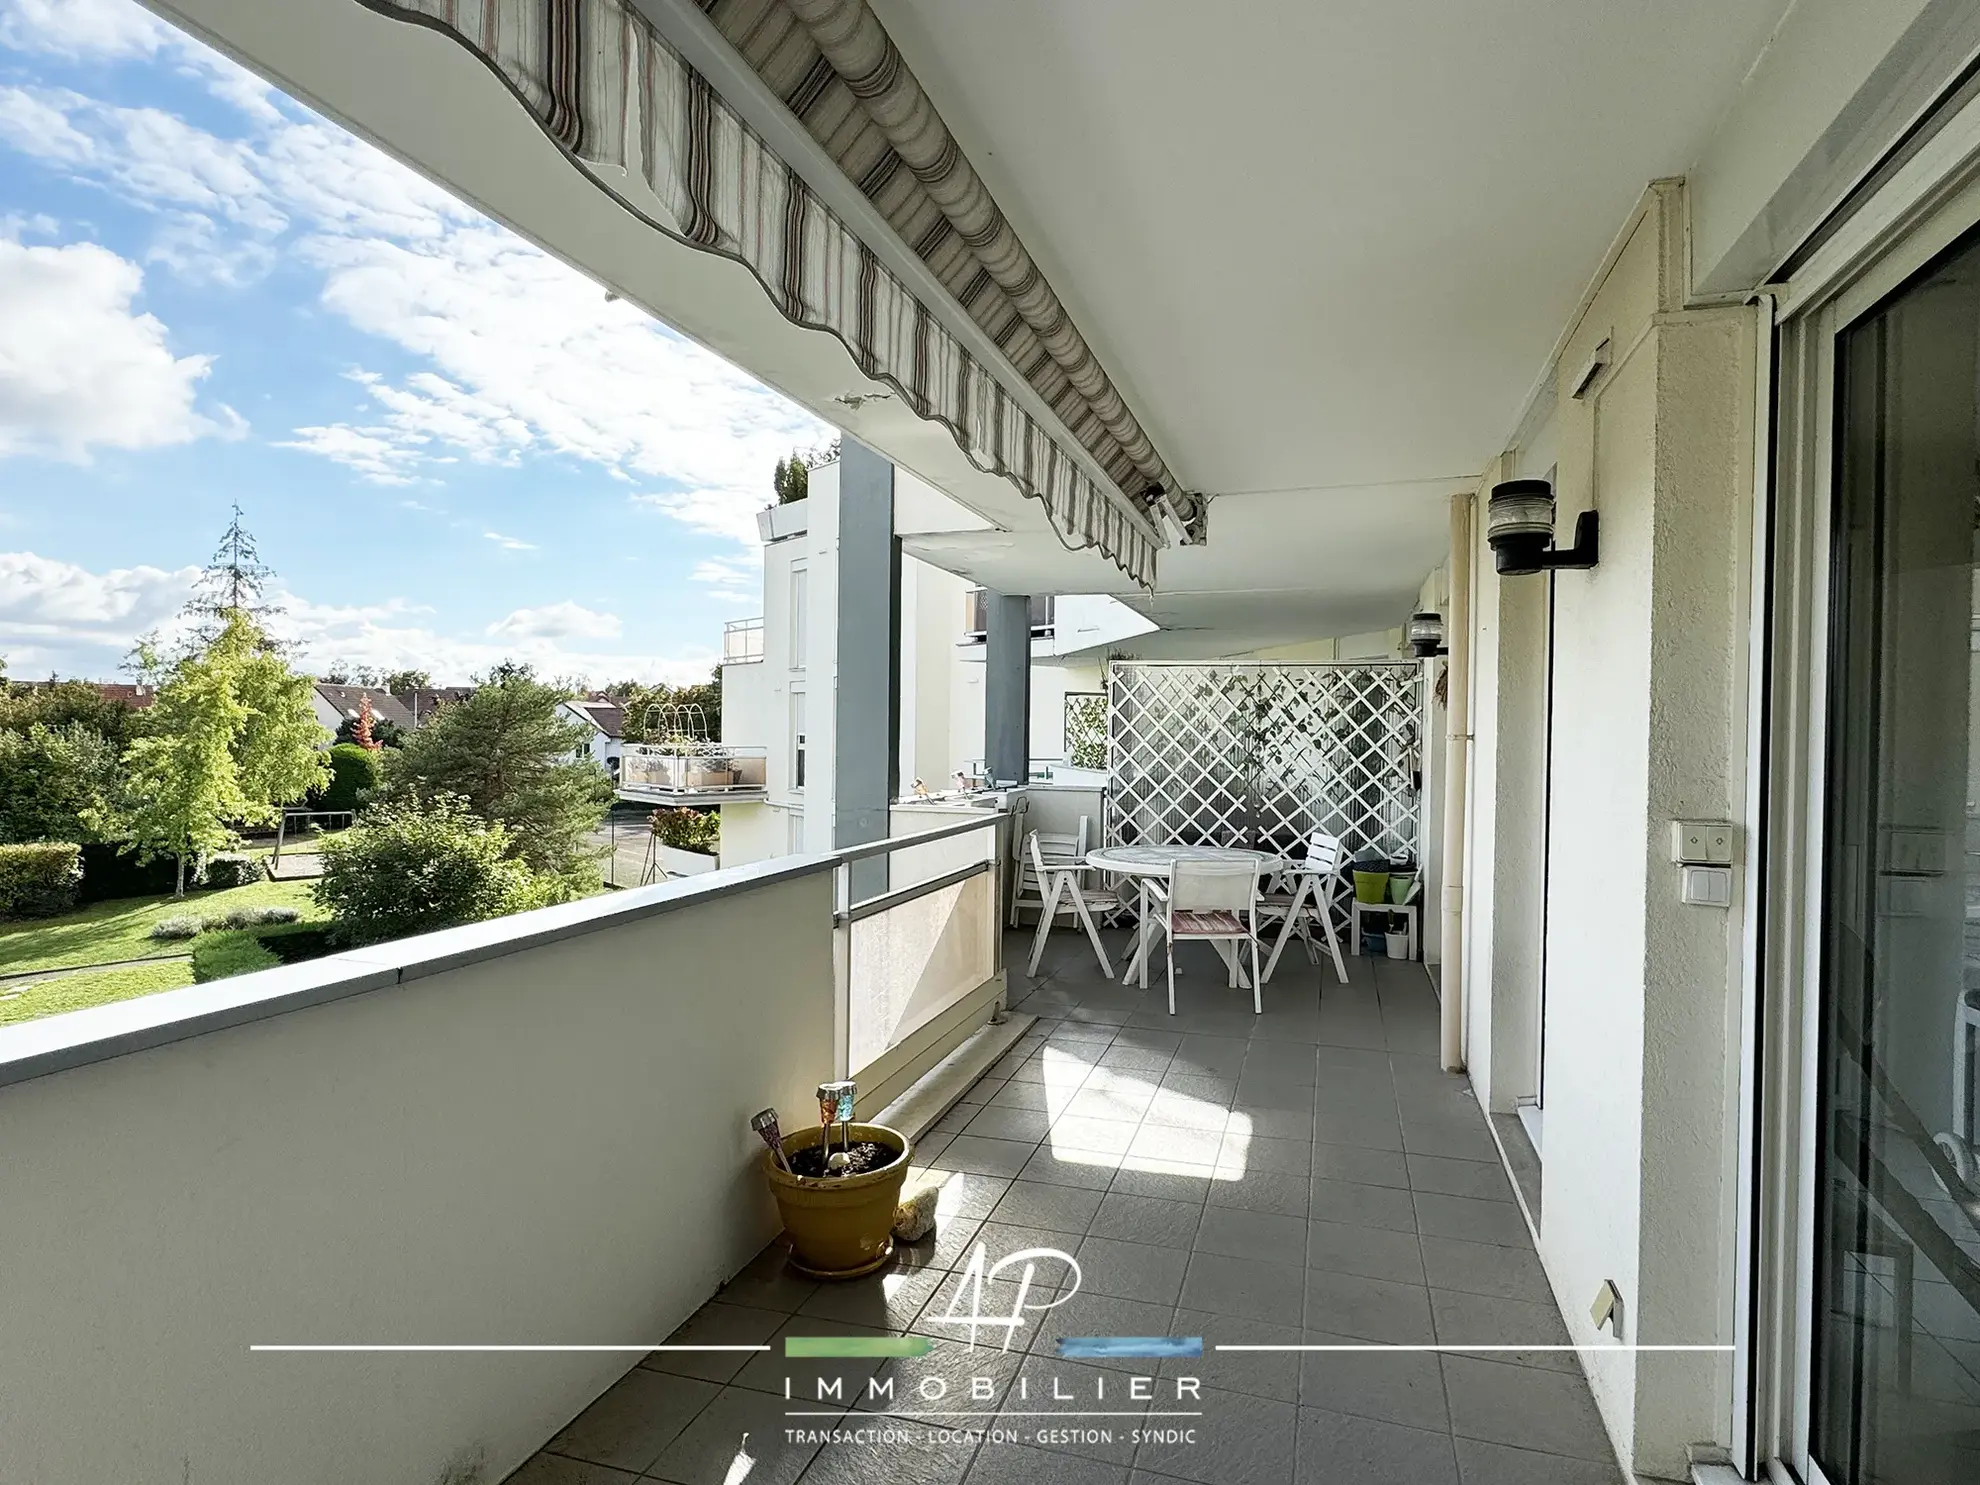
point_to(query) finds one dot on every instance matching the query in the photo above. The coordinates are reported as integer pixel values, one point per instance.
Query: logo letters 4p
(966, 1304)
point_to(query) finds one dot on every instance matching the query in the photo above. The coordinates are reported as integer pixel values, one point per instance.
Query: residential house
(422, 702)
(604, 722)
(336, 705)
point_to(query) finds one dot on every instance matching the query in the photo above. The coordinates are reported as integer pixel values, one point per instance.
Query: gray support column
(867, 709)
(1007, 686)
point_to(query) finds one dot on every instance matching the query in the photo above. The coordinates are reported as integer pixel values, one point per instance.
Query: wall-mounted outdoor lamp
(1425, 635)
(1519, 524)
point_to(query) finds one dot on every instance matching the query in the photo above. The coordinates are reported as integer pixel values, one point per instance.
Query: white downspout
(1457, 772)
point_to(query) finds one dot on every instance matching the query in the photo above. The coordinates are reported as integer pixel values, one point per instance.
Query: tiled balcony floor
(1309, 1176)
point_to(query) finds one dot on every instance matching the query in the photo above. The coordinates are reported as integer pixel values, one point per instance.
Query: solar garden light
(1425, 635)
(1519, 526)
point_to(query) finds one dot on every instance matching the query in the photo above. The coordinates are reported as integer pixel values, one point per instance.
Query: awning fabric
(624, 106)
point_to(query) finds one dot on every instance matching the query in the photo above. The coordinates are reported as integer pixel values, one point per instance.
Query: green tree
(234, 582)
(415, 865)
(407, 680)
(637, 700)
(229, 740)
(507, 753)
(354, 772)
(63, 704)
(59, 783)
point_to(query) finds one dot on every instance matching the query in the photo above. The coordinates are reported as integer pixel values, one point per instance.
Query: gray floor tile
(1395, 1386)
(768, 1282)
(1028, 1126)
(1453, 1135)
(1472, 1220)
(739, 1424)
(635, 1418)
(1246, 1234)
(1212, 1056)
(886, 1301)
(1464, 1319)
(1093, 1169)
(1002, 1239)
(948, 1246)
(1171, 1180)
(1368, 1309)
(1003, 1463)
(554, 1469)
(1204, 1090)
(1260, 1373)
(956, 1299)
(1090, 1314)
(1184, 1146)
(1130, 1058)
(1258, 1090)
(1241, 1439)
(1022, 1096)
(945, 1381)
(1273, 1124)
(1498, 1464)
(1369, 1128)
(1062, 1209)
(1121, 1098)
(1485, 1268)
(1372, 1252)
(921, 1458)
(1340, 1449)
(1244, 1150)
(1361, 1165)
(1049, 1387)
(1291, 1061)
(984, 1157)
(969, 1195)
(1147, 1219)
(1285, 1193)
(1327, 1056)
(716, 1324)
(1485, 1180)
(1363, 1205)
(1173, 1109)
(1131, 1270)
(810, 1379)
(1245, 1287)
(1524, 1406)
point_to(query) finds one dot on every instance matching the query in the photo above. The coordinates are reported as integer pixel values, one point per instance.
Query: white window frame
(800, 615)
(1926, 205)
(800, 740)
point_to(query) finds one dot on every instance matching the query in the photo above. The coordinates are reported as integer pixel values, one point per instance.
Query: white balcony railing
(742, 641)
(673, 773)
(526, 1133)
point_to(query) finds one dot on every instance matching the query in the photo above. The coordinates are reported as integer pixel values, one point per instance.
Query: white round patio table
(1148, 862)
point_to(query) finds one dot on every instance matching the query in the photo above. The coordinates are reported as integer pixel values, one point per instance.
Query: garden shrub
(415, 865)
(39, 879)
(170, 930)
(250, 917)
(113, 870)
(225, 872)
(688, 830)
(223, 953)
(354, 771)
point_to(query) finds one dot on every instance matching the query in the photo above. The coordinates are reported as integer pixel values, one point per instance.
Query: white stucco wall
(1648, 656)
(551, 1146)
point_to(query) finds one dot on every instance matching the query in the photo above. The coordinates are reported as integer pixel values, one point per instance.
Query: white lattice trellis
(1262, 755)
(1086, 729)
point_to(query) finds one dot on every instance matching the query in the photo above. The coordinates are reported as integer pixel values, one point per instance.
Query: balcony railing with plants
(742, 641)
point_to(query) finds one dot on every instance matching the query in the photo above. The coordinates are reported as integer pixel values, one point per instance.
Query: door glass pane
(1897, 1281)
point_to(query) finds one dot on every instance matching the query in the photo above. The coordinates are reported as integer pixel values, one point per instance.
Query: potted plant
(839, 1215)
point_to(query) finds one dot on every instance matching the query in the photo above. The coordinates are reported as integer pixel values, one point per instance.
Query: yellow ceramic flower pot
(840, 1226)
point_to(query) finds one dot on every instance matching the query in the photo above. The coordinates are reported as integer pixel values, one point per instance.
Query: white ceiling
(1324, 247)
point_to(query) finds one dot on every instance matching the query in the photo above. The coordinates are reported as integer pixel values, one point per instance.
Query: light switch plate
(1703, 842)
(1708, 886)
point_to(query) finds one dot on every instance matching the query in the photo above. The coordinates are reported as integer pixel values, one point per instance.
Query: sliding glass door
(1894, 1313)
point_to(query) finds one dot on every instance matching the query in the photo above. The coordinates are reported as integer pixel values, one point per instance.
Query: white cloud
(730, 579)
(102, 29)
(57, 616)
(80, 368)
(509, 543)
(565, 620)
(370, 452)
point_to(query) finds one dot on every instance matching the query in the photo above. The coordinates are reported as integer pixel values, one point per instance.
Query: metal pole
(281, 828)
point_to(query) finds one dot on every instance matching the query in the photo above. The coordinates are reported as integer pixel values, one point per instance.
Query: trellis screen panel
(1263, 755)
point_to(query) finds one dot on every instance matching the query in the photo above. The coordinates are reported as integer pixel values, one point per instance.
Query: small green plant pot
(1401, 884)
(1371, 886)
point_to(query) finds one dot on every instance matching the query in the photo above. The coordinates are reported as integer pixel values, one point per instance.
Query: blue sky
(450, 446)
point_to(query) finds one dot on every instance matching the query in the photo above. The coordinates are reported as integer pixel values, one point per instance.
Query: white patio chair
(1065, 893)
(1314, 883)
(1058, 850)
(1214, 902)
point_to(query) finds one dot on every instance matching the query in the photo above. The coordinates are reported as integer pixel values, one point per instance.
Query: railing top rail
(36, 1049)
(736, 624)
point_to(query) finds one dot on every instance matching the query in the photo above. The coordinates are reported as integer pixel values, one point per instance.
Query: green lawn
(92, 987)
(105, 932)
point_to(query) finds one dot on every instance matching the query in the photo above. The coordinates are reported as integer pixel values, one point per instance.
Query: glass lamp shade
(1519, 524)
(1424, 634)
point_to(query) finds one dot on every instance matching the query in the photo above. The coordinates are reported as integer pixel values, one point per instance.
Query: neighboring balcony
(690, 773)
(976, 615)
(742, 641)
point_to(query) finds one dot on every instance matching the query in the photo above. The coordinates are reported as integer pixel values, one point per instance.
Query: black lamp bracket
(1587, 544)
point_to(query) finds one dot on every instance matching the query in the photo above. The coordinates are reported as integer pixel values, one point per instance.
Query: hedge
(39, 880)
(354, 772)
(239, 951)
(224, 872)
(111, 871)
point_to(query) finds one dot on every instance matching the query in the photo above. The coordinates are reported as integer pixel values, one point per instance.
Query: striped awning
(625, 106)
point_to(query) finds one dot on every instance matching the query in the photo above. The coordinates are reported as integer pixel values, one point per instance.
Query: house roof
(421, 703)
(385, 707)
(603, 713)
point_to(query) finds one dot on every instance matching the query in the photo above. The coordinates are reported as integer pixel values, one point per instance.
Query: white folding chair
(1065, 893)
(1214, 902)
(1058, 850)
(1316, 882)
